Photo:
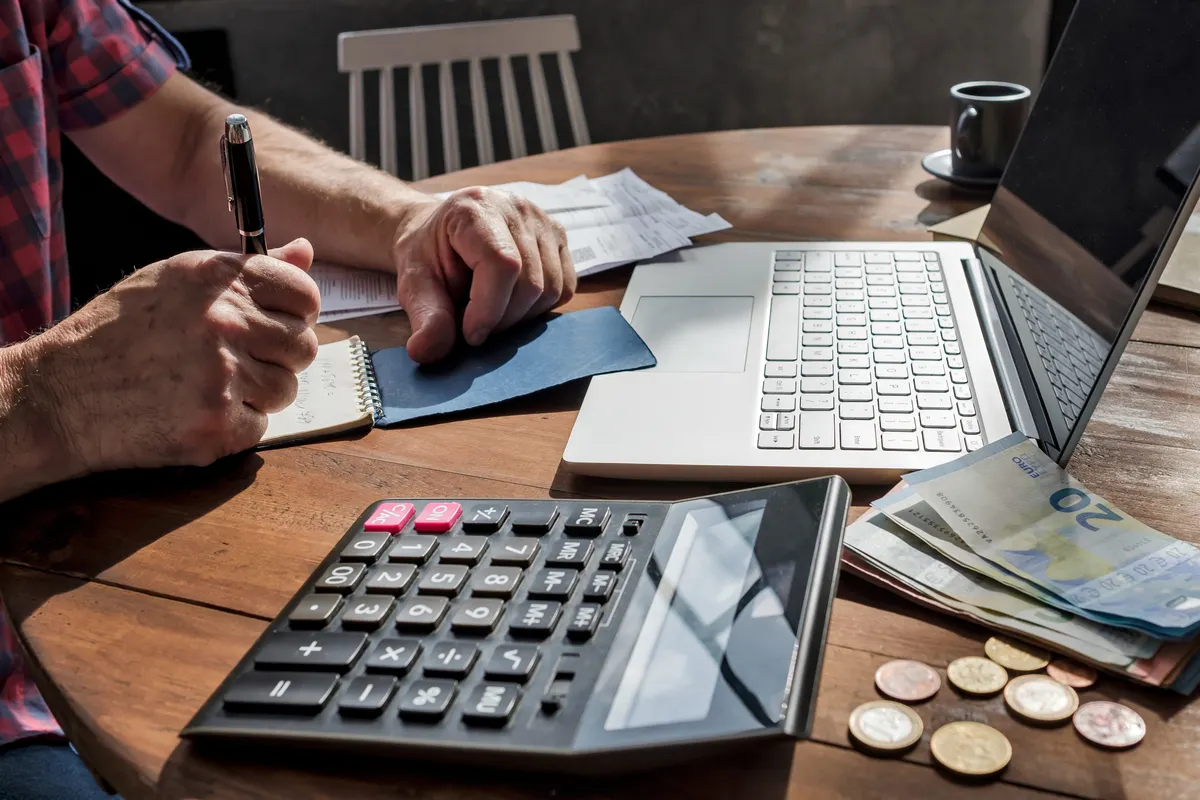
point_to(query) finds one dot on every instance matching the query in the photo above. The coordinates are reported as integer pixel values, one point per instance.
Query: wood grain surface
(137, 592)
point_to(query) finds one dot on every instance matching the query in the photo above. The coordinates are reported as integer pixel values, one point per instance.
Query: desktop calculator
(550, 635)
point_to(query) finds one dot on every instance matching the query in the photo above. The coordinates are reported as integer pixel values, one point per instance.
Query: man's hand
(497, 253)
(179, 363)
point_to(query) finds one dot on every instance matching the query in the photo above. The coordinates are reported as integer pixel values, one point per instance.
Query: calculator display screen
(709, 639)
(676, 661)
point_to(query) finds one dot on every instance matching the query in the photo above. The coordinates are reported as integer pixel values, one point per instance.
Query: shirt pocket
(25, 178)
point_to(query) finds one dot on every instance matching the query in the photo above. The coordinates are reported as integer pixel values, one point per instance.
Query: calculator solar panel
(580, 635)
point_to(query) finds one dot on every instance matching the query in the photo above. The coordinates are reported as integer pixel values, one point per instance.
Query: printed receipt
(613, 220)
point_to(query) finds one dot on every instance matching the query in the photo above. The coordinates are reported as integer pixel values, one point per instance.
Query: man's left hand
(493, 252)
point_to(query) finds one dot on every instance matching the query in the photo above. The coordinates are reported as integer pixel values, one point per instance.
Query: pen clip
(225, 172)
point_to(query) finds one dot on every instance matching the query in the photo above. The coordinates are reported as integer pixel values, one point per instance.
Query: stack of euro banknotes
(1006, 538)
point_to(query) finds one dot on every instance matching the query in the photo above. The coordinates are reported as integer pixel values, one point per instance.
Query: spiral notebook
(348, 387)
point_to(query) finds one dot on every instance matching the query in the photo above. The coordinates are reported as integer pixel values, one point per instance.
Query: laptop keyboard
(863, 354)
(1070, 351)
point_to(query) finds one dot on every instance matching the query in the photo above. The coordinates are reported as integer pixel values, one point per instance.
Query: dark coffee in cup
(986, 121)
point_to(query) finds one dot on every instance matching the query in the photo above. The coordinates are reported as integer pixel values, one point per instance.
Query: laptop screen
(1093, 199)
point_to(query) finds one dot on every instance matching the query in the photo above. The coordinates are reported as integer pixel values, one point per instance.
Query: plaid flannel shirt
(65, 65)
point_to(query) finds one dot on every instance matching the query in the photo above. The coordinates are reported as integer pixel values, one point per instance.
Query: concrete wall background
(654, 67)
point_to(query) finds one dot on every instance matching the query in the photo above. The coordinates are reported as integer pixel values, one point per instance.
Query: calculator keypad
(447, 612)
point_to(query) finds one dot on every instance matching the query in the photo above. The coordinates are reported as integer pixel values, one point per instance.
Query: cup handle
(967, 134)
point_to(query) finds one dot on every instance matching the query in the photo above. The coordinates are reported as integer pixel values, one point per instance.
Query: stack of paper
(610, 221)
(1005, 537)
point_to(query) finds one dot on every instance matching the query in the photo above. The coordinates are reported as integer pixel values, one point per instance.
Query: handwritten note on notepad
(334, 396)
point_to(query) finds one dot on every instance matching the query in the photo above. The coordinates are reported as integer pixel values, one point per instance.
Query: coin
(885, 726)
(1073, 674)
(970, 748)
(1040, 699)
(1109, 724)
(976, 675)
(910, 681)
(1017, 657)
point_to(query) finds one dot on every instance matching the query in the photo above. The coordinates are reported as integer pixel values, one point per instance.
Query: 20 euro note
(893, 549)
(1011, 504)
(910, 511)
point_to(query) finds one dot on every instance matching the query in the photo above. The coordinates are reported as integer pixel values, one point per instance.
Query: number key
(571, 553)
(340, 578)
(515, 552)
(477, 616)
(366, 546)
(391, 578)
(421, 613)
(367, 611)
(495, 581)
(412, 549)
(463, 549)
(446, 580)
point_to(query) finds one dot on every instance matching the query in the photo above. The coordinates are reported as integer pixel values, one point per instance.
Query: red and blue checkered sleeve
(103, 62)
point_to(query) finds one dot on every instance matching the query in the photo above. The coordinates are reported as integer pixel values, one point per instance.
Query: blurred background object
(646, 68)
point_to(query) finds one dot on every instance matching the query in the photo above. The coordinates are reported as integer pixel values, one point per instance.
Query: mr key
(508, 625)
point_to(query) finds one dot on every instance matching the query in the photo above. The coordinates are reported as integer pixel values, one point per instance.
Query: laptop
(872, 359)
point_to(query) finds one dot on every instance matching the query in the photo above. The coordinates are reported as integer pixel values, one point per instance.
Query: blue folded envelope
(533, 356)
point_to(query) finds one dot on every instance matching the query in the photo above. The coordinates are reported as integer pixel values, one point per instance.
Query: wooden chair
(473, 42)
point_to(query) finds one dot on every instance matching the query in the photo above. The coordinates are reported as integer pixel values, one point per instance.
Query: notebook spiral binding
(364, 371)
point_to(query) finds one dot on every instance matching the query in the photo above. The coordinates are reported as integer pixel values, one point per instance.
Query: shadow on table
(85, 526)
(192, 773)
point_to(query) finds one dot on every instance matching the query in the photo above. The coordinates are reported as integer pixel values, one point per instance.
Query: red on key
(438, 517)
(390, 517)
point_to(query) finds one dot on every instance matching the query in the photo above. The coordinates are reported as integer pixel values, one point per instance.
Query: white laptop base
(787, 360)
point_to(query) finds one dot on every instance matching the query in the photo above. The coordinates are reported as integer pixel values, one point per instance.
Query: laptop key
(767, 421)
(816, 402)
(925, 353)
(854, 377)
(789, 255)
(844, 259)
(779, 402)
(933, 401)
(955, 362)
(973, 442)
(854, 394)
(970, 425)
(958, 375)
(816, 340)
(816, 354)
(785, 288)
(920, 326)
(856, 410)
(942, 441)
(899, 441)
(889, 357)
(923, 339)
(852, 334)
(776, 441)
(965, 408)
(780, 369)
(931, 385)
(779, 386)
(905, 255)
(882, 302)
(854, 362)
(928, 368)
(816, 385)
(816, 430)
(892, 422)
(962, 391)
(786, 422)
(818, 261)
(816, 369)
(885, 315)
(858, 436)
(937, 419)
(895, 405)
(851, 307)
(886, 329)
(818, 326)
(891, 371)
(782, 338)
(817, 313)
(892, 387)
(877, 258)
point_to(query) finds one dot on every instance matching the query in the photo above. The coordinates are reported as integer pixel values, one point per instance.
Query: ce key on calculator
(565, 636)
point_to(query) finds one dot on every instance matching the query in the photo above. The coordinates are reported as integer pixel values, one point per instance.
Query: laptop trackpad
(695, 334)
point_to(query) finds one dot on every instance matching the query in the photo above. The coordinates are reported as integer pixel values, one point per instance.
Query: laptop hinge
(1016, 401)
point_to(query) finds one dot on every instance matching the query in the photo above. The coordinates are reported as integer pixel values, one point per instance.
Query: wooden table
(137, 592)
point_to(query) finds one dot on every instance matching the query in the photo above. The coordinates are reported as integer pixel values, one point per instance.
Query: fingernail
(476, 336)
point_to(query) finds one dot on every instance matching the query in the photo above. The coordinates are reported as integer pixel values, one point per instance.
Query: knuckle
(306, 346)
(471, 195)
(557, 230)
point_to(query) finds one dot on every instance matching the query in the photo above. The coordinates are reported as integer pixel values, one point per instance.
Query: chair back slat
(449, 118)
(358, 117)
(479, 113)
(416, 123)
(512, 111)
(387, 122)
(579, 129)
(541, 104)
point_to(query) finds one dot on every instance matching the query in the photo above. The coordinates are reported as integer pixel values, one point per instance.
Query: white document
(613, 220)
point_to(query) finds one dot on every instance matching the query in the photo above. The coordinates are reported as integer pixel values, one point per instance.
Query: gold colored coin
(1040, 698)
(910, 681)
(1073, 674)
(976, 675)
(1017, 657)
(1109, 724)
(885, 726)
(970, 748)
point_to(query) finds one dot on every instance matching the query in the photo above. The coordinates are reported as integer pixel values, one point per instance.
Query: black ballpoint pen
(241, 183)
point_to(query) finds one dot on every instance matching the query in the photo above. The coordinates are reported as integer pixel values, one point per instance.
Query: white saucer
(938, 165)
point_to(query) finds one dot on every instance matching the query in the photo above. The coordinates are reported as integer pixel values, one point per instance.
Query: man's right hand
(180, 363)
